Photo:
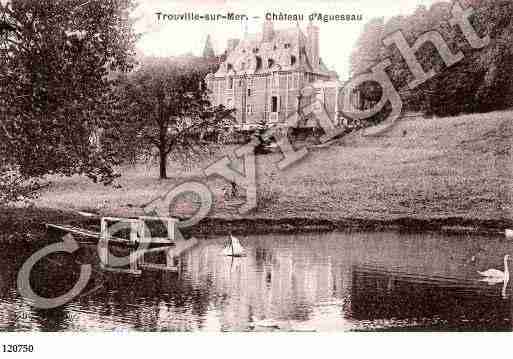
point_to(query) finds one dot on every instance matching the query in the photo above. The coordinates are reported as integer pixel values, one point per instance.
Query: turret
(268, 31)
(208, 51)
(312, 45)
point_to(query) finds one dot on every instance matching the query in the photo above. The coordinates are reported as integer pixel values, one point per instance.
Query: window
(249, 92)
(274, 104)
(255, 50)
(258, 62)
(287, 46)
(292, 60)
(276, 80)
(249, 109)
(243, 66)
(230, 83)
(229, 103)
(270, 63)
(230, 67)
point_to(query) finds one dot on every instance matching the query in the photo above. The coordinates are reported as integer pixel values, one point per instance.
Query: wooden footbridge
(140, 242)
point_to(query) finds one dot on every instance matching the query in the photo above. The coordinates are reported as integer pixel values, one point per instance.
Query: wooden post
(104, 230)
(171, 228)
(133, 260)
(141, 228)
(170, 258)
(104, 241)
(133, 231)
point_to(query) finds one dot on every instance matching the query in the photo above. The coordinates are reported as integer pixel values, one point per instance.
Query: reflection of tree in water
(275, 280)
(51, 320)
(148, 302)
(159, 296)
(428, 304)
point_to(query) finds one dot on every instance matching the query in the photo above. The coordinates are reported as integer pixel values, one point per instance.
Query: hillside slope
(423, 168)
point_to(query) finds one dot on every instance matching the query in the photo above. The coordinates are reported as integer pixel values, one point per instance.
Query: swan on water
(494, 276)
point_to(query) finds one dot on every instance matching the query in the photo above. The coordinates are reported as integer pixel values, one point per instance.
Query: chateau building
(261, 76)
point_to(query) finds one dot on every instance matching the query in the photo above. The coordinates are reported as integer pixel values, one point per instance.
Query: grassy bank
(28, 224)
(455, 171)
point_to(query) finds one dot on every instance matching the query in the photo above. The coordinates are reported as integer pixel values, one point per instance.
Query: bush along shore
(28, 225)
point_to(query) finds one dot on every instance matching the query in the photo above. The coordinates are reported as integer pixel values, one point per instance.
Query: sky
(168, 38)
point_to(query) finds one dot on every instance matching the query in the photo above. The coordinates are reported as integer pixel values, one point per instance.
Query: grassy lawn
(423, 168)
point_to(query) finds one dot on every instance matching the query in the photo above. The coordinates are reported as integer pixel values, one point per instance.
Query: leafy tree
(58, 60)
(367, 49)
(166, 108)
(482, 81)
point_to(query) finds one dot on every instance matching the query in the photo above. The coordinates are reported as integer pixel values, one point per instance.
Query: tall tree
(167, 108)
(482, 81)
(57, 71)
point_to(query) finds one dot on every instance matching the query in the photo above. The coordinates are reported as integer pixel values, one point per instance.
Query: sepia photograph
(214, 166)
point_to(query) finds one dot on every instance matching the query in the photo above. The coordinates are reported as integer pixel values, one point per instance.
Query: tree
(366, 52)
(57, 70)
(167, 108)
(482, 81)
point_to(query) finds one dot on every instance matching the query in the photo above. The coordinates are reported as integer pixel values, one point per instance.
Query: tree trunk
(163, 165)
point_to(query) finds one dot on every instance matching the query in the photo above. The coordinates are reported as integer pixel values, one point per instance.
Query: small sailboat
(233, 248)
(509, 233)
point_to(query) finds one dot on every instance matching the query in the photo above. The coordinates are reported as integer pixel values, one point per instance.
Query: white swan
(494, 276)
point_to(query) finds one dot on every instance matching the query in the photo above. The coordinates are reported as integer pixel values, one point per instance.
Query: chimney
(232, 44)
(268, 31)
(312, 45)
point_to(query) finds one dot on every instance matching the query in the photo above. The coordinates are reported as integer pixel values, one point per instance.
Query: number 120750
(17, 348)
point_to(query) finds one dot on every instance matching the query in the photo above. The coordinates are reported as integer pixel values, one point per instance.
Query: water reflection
(337, 281)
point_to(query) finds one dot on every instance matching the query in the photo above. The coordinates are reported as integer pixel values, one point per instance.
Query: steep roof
(286, 50)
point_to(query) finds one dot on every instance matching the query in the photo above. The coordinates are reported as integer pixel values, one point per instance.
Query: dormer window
(287, 46)
(229, 66)
(292, 60)
(270, 63)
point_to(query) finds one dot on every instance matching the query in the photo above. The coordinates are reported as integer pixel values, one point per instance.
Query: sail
(234, 248)
(238, 250)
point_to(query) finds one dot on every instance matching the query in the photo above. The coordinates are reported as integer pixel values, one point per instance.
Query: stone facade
(262, 76)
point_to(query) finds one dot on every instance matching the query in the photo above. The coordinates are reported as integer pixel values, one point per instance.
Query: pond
(310, 282)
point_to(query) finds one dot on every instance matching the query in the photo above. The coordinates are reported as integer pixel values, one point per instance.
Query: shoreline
(450, 225)
(22, 225)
